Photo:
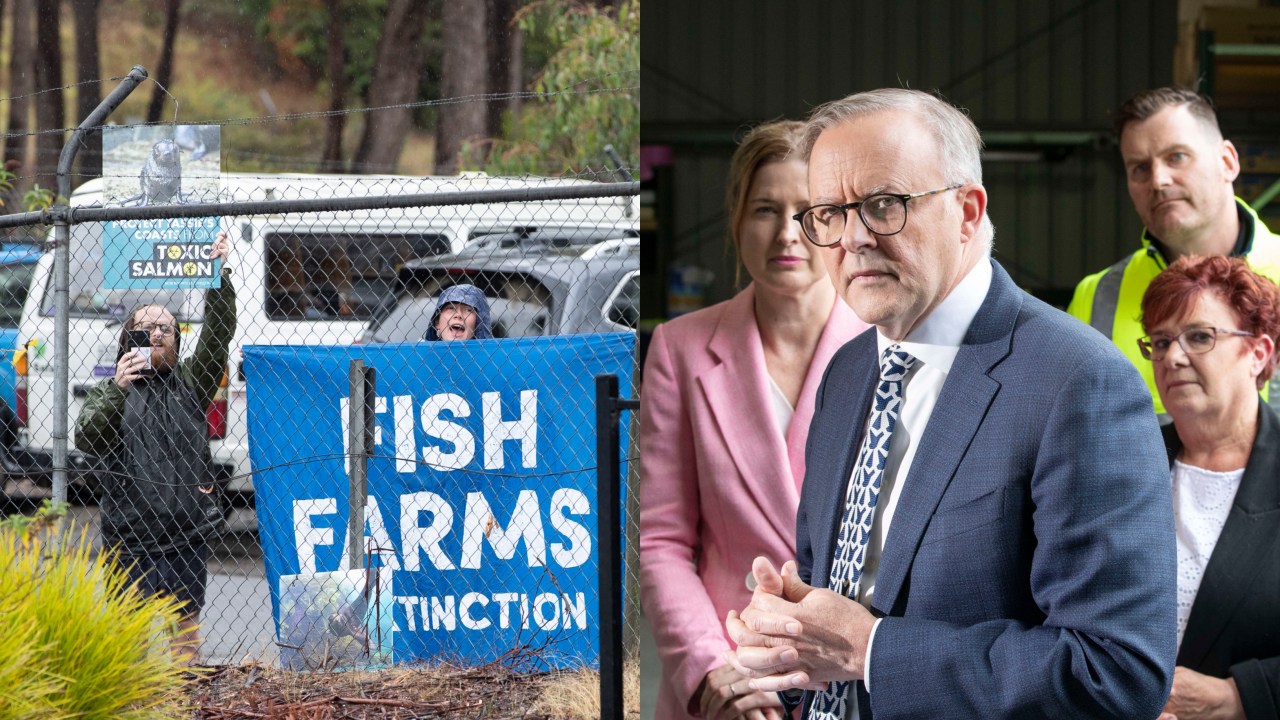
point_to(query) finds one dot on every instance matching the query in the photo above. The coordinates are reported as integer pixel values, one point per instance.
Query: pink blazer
(718, 484)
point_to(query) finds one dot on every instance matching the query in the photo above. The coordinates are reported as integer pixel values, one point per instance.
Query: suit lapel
(962, 405)
(737, 391)
(836, 447)
(1243, 546)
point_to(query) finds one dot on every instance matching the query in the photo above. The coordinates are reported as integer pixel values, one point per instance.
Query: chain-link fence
(209, 402)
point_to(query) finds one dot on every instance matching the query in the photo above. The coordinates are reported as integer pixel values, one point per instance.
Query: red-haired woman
(1211, 327)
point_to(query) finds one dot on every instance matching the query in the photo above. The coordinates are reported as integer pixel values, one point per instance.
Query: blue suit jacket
(1029, 568)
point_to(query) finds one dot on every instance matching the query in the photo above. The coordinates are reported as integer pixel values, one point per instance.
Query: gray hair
(955, 133)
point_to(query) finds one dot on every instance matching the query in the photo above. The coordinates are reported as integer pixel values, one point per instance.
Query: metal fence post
(608, 531)
(360, 414)
(62, 276)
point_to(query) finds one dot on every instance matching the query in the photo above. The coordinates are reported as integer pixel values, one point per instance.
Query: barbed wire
(304, 165)
(57, 89)
(571, 89)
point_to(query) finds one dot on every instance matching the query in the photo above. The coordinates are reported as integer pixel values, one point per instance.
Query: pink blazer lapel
(736, 390)
(842, 326)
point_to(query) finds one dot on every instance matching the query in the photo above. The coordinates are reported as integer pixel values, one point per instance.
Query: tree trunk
(89, 95)
(395, 81)
(464, 72)
(164, 68)
(22, 82)
(332, 160)
(506, 47)
(50, 110)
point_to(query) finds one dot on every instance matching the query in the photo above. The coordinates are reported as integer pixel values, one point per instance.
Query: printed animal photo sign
(160, 165)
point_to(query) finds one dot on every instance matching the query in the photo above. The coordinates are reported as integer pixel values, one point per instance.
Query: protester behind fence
(727, 400)
(462, 313)
(1212, 324)
(159, 508)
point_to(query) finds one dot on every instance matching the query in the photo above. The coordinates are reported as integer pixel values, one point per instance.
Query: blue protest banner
(481, 521)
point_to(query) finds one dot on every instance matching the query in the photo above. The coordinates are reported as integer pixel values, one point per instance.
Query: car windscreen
(520, 305)
(623, 307)
(529, 236)
(337, 275)
(88, 299)
(15, 278)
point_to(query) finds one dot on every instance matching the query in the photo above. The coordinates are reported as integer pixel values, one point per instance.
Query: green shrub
(79, 640)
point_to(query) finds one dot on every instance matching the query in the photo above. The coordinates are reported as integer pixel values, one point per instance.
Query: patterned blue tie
(860, 507)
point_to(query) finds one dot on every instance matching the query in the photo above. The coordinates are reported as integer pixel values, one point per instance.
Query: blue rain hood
(467, 295)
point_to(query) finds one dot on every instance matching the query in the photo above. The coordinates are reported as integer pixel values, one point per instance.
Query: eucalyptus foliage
(589, 94)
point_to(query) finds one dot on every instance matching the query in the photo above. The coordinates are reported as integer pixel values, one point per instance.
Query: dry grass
(405, 693)
(576, 695)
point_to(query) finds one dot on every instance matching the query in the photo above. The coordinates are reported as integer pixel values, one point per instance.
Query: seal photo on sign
(161, 176)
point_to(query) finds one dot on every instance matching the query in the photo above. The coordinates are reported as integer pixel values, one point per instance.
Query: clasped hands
(795, 636)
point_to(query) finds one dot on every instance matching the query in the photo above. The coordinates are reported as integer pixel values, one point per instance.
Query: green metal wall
(1037, 77)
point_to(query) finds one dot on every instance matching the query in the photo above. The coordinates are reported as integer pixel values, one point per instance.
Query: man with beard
(148, 425)
(1179, 171)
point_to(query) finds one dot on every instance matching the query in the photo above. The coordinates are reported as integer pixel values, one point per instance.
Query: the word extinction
(546, 611)
(427, 542)
(453, 444)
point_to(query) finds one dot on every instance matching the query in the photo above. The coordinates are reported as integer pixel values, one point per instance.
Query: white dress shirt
(934, 343)
(1201, 502)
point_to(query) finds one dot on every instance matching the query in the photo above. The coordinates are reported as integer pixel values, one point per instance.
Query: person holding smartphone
(147, 423)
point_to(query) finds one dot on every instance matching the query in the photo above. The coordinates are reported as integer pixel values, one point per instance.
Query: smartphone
(140, 340)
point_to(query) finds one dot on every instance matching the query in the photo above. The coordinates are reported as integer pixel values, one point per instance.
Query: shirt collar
(1244, 238)
(936, 340)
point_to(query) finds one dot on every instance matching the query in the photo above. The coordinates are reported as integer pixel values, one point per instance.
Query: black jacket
(1234, 628)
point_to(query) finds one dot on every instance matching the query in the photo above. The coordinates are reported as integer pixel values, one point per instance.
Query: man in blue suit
(985, 529)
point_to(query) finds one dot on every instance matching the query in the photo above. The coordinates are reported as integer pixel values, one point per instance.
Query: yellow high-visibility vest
(1111, 300)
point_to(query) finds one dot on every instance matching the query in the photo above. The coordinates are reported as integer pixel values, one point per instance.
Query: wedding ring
(731, 691)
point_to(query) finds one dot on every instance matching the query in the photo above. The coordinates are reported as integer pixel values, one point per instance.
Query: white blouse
(1201, 502)
(782, 410)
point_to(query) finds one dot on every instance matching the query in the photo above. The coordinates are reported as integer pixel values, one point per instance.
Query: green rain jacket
(154, 441)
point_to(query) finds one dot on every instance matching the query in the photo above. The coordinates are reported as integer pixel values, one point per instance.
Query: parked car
(541, 283)
(17, 264)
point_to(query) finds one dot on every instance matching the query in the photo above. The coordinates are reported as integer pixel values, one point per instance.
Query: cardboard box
(1250, 187)
(1237, 81)
(1249, 26)
(1189, 10)
(1258, 157)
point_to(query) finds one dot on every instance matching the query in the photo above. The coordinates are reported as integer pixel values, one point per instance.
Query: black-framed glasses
(164, 329)
(1193, 341)
(882, 213)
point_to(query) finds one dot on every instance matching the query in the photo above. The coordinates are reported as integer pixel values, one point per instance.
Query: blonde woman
(728, 395)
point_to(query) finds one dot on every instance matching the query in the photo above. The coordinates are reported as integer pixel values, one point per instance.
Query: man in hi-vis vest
(1179, 170)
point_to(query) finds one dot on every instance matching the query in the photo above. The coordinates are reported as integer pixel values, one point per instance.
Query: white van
(300, 279)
